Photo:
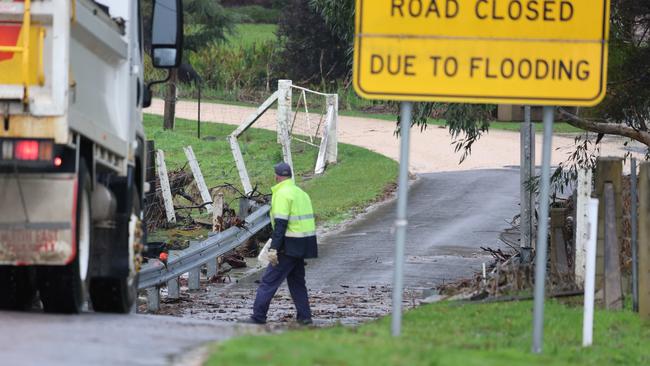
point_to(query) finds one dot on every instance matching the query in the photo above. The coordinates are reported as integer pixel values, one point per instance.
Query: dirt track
(431, 150)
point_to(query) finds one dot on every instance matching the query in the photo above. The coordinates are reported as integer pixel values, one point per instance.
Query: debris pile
(155, 214)
(506, 275)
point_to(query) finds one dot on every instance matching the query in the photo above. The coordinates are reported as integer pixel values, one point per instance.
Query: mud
(349, 305)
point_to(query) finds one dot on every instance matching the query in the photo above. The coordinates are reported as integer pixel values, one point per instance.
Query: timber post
(608, 170)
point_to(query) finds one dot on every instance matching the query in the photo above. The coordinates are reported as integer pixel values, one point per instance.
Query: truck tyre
(17, 286)
(63, 288)
(117, 295)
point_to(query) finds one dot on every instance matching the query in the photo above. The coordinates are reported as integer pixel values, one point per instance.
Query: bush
(238, 70)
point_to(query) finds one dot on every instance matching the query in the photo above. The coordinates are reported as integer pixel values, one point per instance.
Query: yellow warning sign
(540, 52)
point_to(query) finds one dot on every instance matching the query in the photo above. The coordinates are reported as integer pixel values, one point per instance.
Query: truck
(72, 148)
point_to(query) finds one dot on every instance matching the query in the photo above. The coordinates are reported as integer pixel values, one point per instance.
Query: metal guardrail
(155, 274)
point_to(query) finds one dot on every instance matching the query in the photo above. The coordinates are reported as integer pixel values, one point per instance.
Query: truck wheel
(63, 288)
(17, 286)
(117, 295)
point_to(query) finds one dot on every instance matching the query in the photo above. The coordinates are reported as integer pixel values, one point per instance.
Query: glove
(273, 257)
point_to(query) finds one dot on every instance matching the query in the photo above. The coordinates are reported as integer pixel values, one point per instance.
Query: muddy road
(451, 215)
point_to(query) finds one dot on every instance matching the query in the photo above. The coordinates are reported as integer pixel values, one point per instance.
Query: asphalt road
(451, 215)
(96, 339)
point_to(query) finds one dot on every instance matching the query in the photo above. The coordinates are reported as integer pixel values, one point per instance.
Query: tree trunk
(170, 101)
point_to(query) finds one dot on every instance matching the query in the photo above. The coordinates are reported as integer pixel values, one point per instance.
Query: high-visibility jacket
(293, 222)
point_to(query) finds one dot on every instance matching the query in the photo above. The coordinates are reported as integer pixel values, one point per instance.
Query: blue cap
(283, 170)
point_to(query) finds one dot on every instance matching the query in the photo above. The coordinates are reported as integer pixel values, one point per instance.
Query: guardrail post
(194, 282)
(173, 289)
(213, 268)
(153, 299)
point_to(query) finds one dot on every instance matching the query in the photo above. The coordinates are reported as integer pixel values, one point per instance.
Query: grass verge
(359, 178)
(452, 334)
(248, 35)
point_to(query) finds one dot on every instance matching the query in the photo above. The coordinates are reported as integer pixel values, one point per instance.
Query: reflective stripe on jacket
(293, 221)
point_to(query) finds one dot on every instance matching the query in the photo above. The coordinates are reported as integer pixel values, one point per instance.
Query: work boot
(304, 322)
(250, 320)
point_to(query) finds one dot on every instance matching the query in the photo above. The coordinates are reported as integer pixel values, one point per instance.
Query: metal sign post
(527, 169)
(401, 222)
(542, 232)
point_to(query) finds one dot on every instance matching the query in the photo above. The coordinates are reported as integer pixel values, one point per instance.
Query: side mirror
(167, 34)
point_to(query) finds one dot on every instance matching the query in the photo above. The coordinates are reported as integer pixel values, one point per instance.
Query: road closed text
(517, 10)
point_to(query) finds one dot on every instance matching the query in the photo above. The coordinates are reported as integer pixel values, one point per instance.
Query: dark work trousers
(293, 269)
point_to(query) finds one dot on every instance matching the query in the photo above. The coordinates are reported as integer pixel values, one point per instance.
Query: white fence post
(164, 186)
(582, 222)
(590, 275)
(332, 130)
(284, 108)
(198, 177)
(284, 114)
(241, 165)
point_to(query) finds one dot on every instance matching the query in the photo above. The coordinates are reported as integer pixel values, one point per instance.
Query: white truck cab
(72, 156)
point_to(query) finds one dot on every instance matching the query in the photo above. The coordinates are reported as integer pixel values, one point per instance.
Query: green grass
(558, 127)
(247, 35)
(452, 334)
(358, 179)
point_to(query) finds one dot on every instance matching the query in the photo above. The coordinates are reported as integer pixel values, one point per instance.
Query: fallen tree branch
(606, 128)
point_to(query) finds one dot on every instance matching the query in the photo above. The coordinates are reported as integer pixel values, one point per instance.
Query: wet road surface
(99, 339)
(451, 215)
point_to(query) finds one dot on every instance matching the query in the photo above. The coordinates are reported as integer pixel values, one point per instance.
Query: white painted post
(164, 185)
(590, 275)
(321, 160)
(284, 108)
(585, 187)
(217, 212)
(332, 130)
(198, 177)
(241, 165)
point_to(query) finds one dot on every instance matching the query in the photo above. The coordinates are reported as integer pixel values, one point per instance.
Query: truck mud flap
(37, 219)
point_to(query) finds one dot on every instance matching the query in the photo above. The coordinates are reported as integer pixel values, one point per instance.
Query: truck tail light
(26, 150)
(38, 151)
(7, 150)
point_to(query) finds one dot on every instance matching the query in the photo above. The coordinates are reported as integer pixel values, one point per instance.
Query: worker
(293, 240)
